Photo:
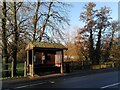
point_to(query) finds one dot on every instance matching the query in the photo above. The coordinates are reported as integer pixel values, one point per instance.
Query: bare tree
(14, 31)
(16, 35)
(35, 20)
(4, 39)
(46, 20)
(50, 22)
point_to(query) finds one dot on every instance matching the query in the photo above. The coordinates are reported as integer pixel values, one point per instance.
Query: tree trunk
(15, 38)
(44, 26)
(98, 49)
(4, 39)
(36, 20)
(91, 48)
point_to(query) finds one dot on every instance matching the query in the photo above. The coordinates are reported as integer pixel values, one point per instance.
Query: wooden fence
(21, 67)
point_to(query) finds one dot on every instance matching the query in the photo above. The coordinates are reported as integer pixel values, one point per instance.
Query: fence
(20, 69)
(111, 64)
(8, 71)
(85, 65)
(80, 65)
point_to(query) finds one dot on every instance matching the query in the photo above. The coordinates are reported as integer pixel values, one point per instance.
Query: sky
(77, 8)
(66, 0)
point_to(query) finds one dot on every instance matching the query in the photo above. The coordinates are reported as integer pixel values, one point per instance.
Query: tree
(82, 45)
(71, 53)
(35, 20)
(22, 26)
(114, 28)
(51, 22)
(4, 39)
(88, 17)
(46, 20)
(97, 23)
(102, 23)
(15, 33)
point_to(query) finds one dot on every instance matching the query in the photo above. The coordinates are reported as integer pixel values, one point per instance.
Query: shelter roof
(31, 45)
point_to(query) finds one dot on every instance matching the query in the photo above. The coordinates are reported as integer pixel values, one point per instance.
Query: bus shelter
(44, 56)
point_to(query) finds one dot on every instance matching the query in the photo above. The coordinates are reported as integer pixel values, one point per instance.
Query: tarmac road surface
(99, 80)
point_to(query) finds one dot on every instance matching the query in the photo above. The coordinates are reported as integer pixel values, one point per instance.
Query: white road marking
(52, 82)
(29, 85)
(110, 85)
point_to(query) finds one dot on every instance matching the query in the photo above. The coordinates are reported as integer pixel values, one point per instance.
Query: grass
(73, 66)
(7, 78)
(20, 70)
(20, 66)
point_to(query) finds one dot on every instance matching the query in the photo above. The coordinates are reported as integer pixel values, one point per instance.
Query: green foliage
(19, 70)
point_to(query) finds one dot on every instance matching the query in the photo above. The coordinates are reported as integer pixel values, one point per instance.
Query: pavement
(22, 81)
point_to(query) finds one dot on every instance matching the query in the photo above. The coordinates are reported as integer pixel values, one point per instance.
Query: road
(100, 80)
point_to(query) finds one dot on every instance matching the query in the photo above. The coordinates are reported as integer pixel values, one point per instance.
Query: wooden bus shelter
(43, 56)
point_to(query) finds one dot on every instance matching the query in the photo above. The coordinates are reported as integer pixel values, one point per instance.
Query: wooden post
(82, 65)
(43, 58)
(28, 62)
(30, 70)
(0, 65)
(62, 63)
(32, 63)
(12, 67)
(0, 71)
(25, 69)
